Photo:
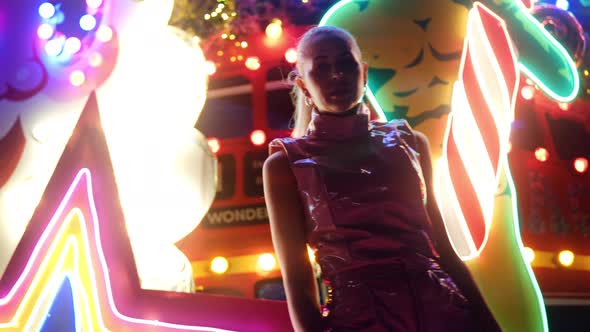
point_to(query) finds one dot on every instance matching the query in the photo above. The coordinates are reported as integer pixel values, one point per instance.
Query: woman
(360, 194)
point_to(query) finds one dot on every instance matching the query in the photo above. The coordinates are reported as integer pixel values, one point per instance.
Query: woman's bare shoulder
(276, 167)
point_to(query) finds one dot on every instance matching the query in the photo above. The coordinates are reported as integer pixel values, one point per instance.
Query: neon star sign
(78, 232)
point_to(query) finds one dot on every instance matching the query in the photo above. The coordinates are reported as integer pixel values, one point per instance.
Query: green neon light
(516, 236)
(540, 56)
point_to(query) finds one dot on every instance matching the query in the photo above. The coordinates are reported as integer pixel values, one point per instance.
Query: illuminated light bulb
(207, 17)
(95, 59)
(291, 55)
(529, 254)
(224, 35)
(221, 6)
(244, 44)
(253, 63)
(45, 31)
(267, 262)
(104, 33)
(214, 144)
(72, 45)
(232, 59)
(234, 14)
(237, 44)
(214, 14)
(240, 58)
(564, 106)
(258, 137)
(210, 67)
(232, 37)
(46, 10)
(581, 165)
(586, 72)
(541, 154)
(219, 265)
(311, 254)
(274, 30)
(224, 16)
(527, 92)
(77, 78)
(87, 22)
(218, 10)
(54, 46)
(93, 4)
(219, 53)
(305, 1)
(565, 258)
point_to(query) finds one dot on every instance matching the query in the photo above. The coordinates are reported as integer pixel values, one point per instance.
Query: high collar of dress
(339, 126)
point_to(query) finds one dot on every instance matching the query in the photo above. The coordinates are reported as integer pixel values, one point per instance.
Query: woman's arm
(449, 260)
(287, 221)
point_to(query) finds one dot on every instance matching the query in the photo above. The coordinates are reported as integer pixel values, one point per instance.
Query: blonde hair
(302, 114)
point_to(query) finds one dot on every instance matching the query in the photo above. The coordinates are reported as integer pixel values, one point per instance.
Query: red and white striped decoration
(478, 129)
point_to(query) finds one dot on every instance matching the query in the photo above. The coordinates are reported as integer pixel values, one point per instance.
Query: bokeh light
(252, 63)
(104, 33)
(291, 55)
(45, 31)
(267, 262)
(566, 258)
(274, 30)
(529, 254)
(46, 10)
(258, 137)
(527, 92)
(87, 22)
(214, 144)
(72, 45)
(77, 78)
(219, 265)
(541, 154)
(581, 164)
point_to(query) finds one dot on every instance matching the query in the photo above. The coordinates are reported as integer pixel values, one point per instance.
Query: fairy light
(104, 33)
(45, 31)
(46, 10)
(258, 137)
(54, 46)
(527, 92)
(72, 45)
(244, 44)
(95, 59)
(93, 4)
(77, 78)
(274, 30)
(87, 22)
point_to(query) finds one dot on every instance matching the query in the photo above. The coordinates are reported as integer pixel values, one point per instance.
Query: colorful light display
(474, 186)
(79, 233)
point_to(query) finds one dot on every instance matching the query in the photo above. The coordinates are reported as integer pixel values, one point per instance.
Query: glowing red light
(258, 137)
(541, 154)
(214, 144)
(527, 92)
(581, 164)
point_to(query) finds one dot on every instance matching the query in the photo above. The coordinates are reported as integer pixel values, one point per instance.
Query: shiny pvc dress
(362, 188)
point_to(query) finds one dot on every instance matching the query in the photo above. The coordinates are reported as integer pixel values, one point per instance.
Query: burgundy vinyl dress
(364, 197)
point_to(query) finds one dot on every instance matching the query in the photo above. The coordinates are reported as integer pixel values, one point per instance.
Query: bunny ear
(478, 131)
(540, 56)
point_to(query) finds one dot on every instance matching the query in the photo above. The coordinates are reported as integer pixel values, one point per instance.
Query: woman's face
(333, 76)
